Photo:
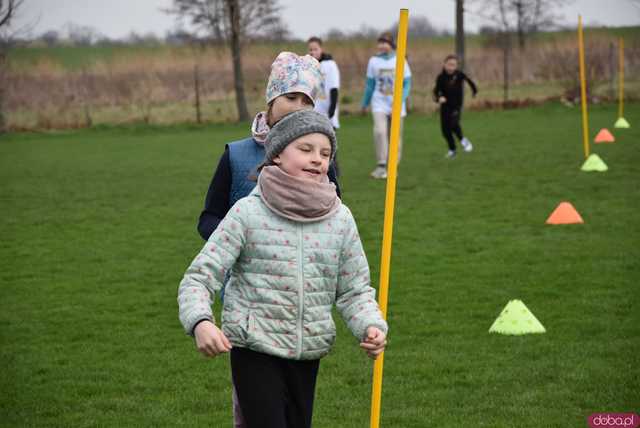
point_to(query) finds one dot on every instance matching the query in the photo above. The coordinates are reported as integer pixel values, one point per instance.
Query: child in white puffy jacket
(293, 251)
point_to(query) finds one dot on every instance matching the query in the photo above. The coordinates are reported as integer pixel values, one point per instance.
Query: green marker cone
(622, 123)
(594, 163)
(516, 319)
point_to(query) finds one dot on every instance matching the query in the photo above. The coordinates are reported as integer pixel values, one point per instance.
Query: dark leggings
(450, 124)
(274, 392)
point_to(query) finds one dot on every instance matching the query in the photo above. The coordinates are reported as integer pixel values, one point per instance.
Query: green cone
(594, 163)
(622, 123)
(516, 319)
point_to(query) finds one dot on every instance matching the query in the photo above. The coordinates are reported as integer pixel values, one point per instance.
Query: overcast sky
(117, 18)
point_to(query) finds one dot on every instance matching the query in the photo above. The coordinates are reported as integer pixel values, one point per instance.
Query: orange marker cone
(564, 213)
(604, 136)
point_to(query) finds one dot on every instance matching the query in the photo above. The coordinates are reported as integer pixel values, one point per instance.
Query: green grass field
(98, 227)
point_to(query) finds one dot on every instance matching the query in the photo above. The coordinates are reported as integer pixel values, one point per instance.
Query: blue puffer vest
(244, 156)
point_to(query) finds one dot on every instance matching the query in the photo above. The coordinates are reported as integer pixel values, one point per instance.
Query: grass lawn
(98, 227)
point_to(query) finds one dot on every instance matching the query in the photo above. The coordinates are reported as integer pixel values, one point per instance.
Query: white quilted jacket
(285, 278)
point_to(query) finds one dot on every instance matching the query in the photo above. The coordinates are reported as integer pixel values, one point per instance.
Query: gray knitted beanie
(294, 125)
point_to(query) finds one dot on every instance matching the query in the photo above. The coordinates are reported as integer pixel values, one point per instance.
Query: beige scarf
(297, 199)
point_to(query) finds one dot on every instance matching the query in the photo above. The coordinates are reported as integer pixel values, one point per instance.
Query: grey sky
(117, 18)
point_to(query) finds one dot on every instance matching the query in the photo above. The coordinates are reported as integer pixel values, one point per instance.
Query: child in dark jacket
(449, 93)
(294, 84)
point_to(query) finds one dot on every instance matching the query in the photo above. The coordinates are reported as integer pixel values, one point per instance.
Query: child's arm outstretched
(355, 299)
(204, 278)
(474, 88)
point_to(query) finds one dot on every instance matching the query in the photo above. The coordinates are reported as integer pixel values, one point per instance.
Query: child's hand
(442, 100)
(374, 342)
(210, 340)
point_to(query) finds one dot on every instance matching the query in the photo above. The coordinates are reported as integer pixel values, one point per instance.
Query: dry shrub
(137, 84)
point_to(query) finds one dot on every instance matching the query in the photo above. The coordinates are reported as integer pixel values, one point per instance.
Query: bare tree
(8, 10)
(335, 34)
(460, 32)
(506, 47)
(420, 26)
(50, 38)
(233, 22)
(236, 55)
(81, 35)
(524, 17)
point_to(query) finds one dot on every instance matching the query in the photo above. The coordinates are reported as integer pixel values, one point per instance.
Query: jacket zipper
(300, 291)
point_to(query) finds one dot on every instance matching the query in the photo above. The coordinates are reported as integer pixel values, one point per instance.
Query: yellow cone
(516, 319)
(594, 163)
(622, 123)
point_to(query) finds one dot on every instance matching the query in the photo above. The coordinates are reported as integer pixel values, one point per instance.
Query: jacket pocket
(235, 323)
(320, 335)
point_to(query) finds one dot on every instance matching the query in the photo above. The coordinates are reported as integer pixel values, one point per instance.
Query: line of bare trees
(233, 22)
(508, 18)
(223, 29)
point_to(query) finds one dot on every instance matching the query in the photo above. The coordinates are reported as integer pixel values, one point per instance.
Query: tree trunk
(196, 81)
(612, 71)
(506, 50)
(234, 44)
(84, 85)
(521, 30)
(521, 38)
(460, 32)
(3, 85)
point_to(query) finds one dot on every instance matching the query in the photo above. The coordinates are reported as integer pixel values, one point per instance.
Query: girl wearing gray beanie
(293, 84)
(292, 251)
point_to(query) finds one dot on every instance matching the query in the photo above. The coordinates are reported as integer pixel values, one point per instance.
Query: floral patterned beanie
(294, 73)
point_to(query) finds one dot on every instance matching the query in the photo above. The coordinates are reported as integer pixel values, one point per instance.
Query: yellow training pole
(392, 169)
(583, 90)
(621, 78)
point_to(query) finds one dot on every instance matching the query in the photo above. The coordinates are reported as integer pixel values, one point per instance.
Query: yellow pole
(583, 90)
(621, 79)
(392, 169)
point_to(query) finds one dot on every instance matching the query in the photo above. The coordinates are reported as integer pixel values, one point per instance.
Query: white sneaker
(451, 154)
(380, 172)
(466, 144)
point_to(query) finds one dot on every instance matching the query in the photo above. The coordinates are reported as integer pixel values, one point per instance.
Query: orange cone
(564, 213)
(604, 136)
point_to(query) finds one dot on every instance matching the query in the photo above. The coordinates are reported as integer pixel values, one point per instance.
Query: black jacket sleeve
(437, 90)
(334, 102)
(333, 177)
(474, 88)
(216, 204)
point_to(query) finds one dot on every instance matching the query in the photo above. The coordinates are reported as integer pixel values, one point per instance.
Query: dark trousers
(274, 392)
(450, 124)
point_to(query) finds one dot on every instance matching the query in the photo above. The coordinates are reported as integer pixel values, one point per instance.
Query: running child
(327, 102)
(294, 84)
(293, 251)
(449, 93)
(381, 72)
